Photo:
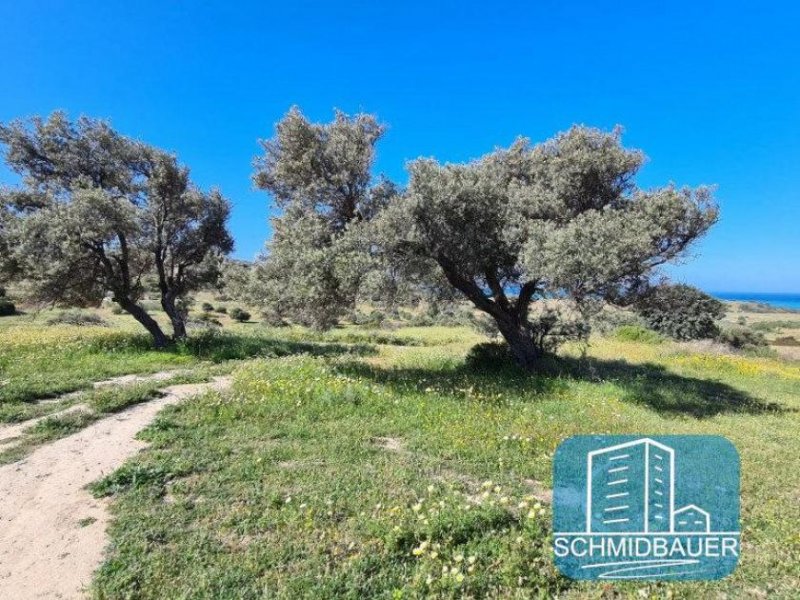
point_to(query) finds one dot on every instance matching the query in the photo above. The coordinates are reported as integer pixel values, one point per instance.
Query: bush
(2, 291)
(77, 317)
(681, 312)
(788, 340)
(240, 315)
(489, 356)
(207, 307)
(223, 310)
(637, 333)
(741, 338)
(205, 320)
(7, 308)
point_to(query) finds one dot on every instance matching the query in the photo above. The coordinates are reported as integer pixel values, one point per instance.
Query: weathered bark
(523, 347)
(175, 316)
(160, 340)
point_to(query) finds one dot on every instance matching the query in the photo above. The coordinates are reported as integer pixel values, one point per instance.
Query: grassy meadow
(374, 463)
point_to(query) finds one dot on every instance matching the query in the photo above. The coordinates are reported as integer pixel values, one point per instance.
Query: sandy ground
(52, 531)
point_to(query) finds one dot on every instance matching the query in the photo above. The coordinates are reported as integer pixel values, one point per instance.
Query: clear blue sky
(709, 90)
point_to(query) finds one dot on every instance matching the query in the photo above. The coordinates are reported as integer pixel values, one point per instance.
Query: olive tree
(319, 176)
(526, 231)
(100, 212)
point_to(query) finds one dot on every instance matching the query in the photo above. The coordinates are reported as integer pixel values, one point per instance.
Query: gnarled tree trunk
(160, 340)
(511, 316)
(176, 317)
(521, 344)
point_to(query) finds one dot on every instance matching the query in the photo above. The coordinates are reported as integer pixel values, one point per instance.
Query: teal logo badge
(646, 508)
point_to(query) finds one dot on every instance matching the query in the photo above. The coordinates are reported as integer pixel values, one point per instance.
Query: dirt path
(52, 531)
(11, 432)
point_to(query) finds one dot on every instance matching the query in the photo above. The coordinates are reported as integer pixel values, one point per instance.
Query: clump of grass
(58, 426)
(107, 400)
(78, 318)
(130, 477)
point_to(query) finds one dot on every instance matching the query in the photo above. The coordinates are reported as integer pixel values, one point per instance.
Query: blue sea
(790, 301)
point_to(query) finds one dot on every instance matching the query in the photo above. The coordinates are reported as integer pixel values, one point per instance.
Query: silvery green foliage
(325, 168)
(297, 278)
(100, 212)
(320, 176)
(559, 220)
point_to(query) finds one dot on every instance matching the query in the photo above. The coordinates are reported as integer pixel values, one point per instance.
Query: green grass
(39, 362)
(403, 474)
(637, 333)
(773, 326)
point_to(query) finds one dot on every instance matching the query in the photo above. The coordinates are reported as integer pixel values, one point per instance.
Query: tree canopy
(97, 212)
(320, 176)
(557, 227)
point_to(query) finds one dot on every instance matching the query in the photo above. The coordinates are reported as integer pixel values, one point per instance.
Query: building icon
(630, 488)
(692, 518)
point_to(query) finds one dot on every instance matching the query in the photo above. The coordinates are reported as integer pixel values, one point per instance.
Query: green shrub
(240, 315)
(207, 307)
(77, 317)
(741, 338)
(205, 319)
(681, 312)
(637, 333)
(489, 356)
(7, 308)
(223, 310)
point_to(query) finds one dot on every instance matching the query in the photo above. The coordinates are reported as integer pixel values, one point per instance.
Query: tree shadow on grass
(648, 384)
(220, 347)
(214, 347)
(664, 391)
